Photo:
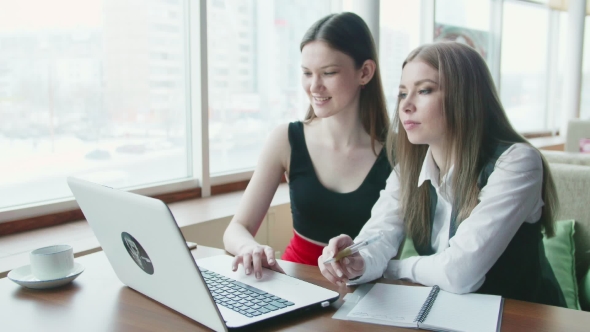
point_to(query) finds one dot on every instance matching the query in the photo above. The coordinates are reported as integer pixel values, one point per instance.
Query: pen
(354, 248)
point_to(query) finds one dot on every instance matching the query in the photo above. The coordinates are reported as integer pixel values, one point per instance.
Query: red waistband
(302, 251)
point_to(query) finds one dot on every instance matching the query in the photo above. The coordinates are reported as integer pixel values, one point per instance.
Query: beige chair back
(572, 183)
(576, 130)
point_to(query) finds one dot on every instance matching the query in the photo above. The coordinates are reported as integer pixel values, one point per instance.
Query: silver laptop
(149, 254)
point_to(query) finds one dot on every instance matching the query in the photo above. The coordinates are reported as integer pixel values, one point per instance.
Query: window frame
(195, 23)
(200, 183)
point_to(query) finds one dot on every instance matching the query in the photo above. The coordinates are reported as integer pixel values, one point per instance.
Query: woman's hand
(341, 271)
(254, 258)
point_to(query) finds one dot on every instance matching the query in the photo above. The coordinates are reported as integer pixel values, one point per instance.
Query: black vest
(522, 272)
(319, 213)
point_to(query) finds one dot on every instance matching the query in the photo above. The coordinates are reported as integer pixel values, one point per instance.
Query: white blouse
(512, 196)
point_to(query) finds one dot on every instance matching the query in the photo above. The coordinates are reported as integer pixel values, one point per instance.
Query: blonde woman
(472, 194)
(334, 159)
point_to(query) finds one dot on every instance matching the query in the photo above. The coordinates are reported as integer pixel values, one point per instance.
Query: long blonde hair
(476, 123)
(349, 34)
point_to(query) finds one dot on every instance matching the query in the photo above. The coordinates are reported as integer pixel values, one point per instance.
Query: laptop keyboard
(239, 297)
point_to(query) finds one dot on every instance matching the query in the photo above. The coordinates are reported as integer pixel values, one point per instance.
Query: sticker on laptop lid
(136, 251)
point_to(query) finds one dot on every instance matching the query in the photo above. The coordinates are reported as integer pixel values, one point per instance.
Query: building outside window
(257, 44)
(99, 95)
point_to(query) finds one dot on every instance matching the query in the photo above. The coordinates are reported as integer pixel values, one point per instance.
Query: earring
(362, 86)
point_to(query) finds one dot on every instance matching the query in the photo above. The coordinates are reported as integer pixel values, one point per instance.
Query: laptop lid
(149, 254)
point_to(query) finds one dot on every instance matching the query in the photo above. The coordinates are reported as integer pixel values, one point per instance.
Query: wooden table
(98, 301)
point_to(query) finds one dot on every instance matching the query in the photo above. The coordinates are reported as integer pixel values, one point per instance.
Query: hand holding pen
(340, 260)
(354, 248)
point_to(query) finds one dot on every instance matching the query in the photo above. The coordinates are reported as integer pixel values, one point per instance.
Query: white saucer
(24, 277)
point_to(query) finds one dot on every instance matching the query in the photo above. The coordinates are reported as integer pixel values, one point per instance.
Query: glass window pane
(556, 76)
(585, 101)
(524, 65)
(254, 74)
(465, 21)
(94, 89)
(399, 33)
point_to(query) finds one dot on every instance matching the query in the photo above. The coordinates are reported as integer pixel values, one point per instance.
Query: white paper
(387, 304)
(467, 312)
(399, 305)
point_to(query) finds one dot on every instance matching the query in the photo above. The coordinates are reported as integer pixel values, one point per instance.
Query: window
(80, 95)
(263, 88)
(399, 33)
(102, 91)
(556, 68)
(585, 96)
(218, 3)
(523, 87)
(464, 21)
(165, 28)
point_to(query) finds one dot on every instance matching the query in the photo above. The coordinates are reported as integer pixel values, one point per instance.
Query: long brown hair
(476, 123)
(349, 34)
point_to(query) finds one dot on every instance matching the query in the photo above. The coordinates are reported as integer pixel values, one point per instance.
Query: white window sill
(14, 249)
(548, 142)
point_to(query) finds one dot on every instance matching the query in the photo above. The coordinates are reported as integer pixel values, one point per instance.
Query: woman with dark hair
(472, 194)
(334, 160)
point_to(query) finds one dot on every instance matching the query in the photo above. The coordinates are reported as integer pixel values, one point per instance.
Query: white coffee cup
(52, 262)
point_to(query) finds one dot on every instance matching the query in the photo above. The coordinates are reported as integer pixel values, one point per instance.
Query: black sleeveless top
(319, 213)
(522, 272)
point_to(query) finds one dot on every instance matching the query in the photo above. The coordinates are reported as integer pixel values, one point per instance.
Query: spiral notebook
(428, 308)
